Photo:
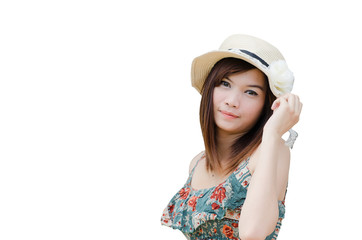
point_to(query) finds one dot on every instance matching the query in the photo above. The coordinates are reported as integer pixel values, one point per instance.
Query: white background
(98, 119)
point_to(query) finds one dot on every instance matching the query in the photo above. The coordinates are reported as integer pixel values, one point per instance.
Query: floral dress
(213, 213)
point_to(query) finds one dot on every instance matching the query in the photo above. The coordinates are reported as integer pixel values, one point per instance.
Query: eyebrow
(252, 85)
(256, 86)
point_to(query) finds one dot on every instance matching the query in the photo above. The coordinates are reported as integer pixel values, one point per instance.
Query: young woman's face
(238, 101)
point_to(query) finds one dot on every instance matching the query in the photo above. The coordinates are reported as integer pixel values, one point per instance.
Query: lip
(228, 114)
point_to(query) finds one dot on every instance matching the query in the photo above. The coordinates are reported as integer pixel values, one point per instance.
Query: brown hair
(245, 145)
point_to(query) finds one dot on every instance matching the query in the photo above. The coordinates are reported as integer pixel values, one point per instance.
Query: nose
(232, 100)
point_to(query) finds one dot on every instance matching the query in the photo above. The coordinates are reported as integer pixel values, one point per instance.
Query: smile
(228, 114)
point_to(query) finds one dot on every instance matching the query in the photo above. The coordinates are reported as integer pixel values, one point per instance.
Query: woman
(236, 187)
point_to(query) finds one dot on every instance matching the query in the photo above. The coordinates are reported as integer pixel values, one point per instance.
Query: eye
(251, 92)
(225, 84)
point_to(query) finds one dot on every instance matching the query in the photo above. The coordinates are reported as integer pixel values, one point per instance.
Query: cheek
(217, 98)
(254, 110)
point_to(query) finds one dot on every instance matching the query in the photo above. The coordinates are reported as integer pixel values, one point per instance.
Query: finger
(275, 104)
(292, 102)
(283, 101)
(298, 105)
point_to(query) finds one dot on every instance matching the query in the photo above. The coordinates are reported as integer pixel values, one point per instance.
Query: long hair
(244, 146)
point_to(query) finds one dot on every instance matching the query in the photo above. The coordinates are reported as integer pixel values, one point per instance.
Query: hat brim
(202, 65)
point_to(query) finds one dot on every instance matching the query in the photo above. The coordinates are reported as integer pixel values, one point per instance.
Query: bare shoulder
(194, 161)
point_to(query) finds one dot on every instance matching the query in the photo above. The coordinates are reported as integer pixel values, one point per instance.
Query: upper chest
(203, 179)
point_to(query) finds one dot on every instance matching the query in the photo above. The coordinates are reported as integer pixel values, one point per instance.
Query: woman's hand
(287, 109)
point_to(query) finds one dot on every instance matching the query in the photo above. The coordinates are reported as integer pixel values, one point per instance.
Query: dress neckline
(189, 182)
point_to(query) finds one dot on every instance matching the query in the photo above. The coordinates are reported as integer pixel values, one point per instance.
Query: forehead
(250, 77)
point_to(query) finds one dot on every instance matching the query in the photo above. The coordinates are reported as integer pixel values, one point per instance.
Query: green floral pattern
(213, 213)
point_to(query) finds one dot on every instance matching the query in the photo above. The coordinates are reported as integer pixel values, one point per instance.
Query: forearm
(260, 210)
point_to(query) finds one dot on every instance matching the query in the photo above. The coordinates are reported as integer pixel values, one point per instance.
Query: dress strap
(197, 162)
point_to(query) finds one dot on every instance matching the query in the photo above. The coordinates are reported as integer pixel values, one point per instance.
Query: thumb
(277, 103)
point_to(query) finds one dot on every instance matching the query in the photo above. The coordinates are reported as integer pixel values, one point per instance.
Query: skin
(241, 96)
(238, 102)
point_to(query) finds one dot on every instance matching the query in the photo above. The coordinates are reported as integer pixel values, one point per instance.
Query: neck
(224, 143)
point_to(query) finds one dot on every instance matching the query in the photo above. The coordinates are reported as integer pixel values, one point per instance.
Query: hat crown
(255, 45)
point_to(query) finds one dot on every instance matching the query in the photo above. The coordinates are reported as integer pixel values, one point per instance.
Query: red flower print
(245, 183)
(184, 193)
(228, 231)
(192, 202)
(235, 225)
(215, 206)
(219, 193)
(170, 208)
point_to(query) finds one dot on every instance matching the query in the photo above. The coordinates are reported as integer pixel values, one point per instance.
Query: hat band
(253, 55)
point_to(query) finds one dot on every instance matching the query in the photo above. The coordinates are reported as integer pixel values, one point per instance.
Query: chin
(231, 131)
(230, 128)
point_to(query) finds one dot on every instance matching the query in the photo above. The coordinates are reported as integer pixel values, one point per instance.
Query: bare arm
(260, 211)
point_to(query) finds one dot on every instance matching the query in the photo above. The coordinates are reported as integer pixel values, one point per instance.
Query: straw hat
(253, 50)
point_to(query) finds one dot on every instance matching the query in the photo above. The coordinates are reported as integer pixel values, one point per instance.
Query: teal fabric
(212, 213)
